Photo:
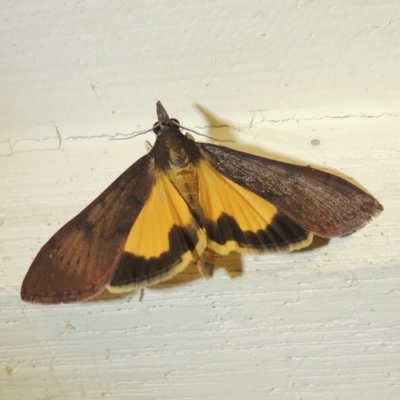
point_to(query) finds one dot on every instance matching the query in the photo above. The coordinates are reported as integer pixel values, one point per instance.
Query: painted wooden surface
(311, 83)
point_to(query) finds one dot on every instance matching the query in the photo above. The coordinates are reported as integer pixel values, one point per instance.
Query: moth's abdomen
(186, 181)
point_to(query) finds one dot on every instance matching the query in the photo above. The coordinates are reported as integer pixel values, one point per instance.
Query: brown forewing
(322, 203)
(80, 259)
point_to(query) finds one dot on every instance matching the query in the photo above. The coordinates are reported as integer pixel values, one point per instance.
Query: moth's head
(163, 119)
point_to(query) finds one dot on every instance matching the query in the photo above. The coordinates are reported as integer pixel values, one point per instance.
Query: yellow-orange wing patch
(163, 241)
(239, 220)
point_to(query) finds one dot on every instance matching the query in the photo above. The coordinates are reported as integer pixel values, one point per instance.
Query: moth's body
(177, 157)
(179, 204)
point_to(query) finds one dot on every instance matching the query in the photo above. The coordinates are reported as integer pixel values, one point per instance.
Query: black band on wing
(280, 233)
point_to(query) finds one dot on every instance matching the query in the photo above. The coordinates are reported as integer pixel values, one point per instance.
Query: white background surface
(322, 323)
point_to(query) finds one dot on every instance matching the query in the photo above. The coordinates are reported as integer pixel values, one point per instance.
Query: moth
(181, 203)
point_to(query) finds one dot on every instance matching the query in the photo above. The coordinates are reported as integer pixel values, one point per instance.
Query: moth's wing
(237, 219)
(163, 241)
(322, 203)
(80, 259)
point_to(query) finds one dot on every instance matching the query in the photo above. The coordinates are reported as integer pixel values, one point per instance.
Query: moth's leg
(205, 263)
(189, 136)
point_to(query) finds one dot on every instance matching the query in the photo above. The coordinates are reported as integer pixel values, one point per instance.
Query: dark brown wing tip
(161, 113)
(367, 213)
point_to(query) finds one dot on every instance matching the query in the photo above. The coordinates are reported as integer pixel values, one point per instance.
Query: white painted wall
(323, 323)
